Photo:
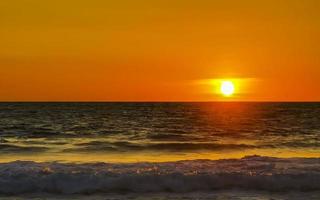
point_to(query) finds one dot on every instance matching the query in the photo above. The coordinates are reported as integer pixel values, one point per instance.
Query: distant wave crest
(172, 146)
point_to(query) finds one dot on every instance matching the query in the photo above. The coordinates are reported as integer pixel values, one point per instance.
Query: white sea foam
(249, 173)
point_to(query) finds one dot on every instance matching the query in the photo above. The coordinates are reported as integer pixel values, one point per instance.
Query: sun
(227, 88)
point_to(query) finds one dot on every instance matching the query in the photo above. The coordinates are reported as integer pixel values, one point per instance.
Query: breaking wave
(248, 173)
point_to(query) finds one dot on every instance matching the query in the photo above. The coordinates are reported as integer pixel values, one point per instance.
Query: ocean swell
(248, 173)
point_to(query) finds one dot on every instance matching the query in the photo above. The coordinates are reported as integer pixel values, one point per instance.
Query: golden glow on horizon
(227, 88)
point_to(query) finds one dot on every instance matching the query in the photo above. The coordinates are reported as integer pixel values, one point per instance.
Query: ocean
(227, 150)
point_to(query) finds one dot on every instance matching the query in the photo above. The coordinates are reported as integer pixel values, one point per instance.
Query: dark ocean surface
(173, 129)
(159, 151)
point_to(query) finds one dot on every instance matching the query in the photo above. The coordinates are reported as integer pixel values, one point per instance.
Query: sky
(159, 50)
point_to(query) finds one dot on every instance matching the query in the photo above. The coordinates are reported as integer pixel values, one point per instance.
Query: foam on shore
(249, 173)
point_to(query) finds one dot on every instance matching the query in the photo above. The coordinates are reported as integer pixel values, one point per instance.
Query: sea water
(174, 150)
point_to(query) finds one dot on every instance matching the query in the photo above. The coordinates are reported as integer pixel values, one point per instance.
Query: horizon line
(230, 101)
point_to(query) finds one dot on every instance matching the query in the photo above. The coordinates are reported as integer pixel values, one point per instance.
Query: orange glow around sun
(228, 88)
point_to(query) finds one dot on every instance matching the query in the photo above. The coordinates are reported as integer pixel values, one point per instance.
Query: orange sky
(158, 50)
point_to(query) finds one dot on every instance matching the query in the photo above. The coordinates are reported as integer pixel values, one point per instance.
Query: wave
(170, 146)
(9, 148)
(249, 173)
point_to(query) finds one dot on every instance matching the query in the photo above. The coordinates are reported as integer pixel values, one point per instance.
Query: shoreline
(217, 195)
(160, 161)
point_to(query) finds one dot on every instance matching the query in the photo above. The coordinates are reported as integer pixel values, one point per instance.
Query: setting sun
(227, 88)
